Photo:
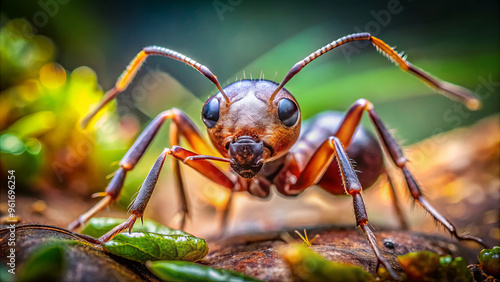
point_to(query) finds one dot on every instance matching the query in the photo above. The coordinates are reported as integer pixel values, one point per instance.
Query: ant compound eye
(288, 112)
(211, 112)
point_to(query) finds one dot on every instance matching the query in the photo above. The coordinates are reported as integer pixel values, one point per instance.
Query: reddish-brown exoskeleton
(255, 125)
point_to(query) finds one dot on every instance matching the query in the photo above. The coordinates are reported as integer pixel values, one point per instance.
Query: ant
(255, 126)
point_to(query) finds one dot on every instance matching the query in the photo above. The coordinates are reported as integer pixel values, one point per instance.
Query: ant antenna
(447, 89)
(134, 66)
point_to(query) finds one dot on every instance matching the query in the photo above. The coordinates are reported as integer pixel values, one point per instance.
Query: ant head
(252, 129)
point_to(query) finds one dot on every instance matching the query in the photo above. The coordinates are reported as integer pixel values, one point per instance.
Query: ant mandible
(255, 125)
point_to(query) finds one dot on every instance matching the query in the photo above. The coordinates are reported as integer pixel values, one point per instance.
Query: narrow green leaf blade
(188, 271)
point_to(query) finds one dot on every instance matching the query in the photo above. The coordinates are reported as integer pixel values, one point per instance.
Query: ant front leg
(345, 133)
(189, 158)
(332, 149)
(182, 126)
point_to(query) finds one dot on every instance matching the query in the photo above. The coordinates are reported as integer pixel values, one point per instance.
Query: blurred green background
(57, 60)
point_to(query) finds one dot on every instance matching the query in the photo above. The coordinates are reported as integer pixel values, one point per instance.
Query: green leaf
(306, 265)
(489, 259)
(46, 264)
(99, 226)
(143, 246)
(188, 271)
(428, 266)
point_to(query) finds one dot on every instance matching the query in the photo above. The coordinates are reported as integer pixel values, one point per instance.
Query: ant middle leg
(329, 151)
(346, 131)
